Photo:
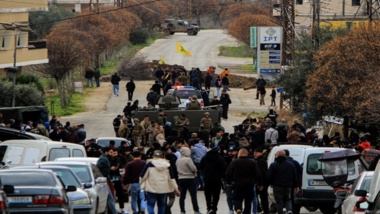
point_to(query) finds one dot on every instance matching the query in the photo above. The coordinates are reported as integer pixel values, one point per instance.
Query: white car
(184, 92)
(361, 183)
(88, 173)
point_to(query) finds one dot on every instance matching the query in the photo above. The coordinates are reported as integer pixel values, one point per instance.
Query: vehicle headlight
(83, 201)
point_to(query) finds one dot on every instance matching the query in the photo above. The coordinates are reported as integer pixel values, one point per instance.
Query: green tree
(26, 94)
(43, 21)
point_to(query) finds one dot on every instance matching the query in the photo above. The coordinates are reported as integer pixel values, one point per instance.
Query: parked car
(184, 92)
(29, 152)
(78, 159)
(373, 194)
(88, 173)
(80, 199)
(36, 191)
(349, 205)
(11, 134)
(105, 141)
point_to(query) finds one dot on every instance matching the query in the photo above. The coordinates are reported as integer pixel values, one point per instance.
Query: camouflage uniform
(181, 122)
(206, 123)
(137, 132)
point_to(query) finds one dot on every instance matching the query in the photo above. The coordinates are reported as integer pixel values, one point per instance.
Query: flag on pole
(182, 50)
(162, 60)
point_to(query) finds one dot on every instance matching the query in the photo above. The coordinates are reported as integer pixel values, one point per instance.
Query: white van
(29, 152)
(314, 191)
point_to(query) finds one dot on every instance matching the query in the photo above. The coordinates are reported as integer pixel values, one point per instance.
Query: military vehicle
(172, 26)
(173, 112)
(25, 113)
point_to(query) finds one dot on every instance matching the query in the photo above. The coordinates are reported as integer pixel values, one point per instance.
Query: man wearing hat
(214, 169)
(157, 180)
(225, 101)
(193, 104)
(206, 122)
(181, 122)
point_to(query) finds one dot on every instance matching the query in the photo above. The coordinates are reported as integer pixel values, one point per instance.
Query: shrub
(138, 37)
(25, 94)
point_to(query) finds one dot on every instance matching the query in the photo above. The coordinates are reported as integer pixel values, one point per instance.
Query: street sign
(253, 37)
(269, 51)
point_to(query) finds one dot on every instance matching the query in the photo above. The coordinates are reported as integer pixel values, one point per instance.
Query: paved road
(204, 48)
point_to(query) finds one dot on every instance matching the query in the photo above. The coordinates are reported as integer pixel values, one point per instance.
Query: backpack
(219, 83)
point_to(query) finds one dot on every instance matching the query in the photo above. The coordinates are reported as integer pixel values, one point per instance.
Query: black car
(35, 191)
(11, 134)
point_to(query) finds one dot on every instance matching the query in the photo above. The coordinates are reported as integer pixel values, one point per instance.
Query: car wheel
(166, 32)
(190, 32)
(172, 33)
(327, 209)
(311, 208)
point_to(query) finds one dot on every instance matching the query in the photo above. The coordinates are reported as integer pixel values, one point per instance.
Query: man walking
(246, 174)
(131, 179)
(263, 166)
(115, 79)
(197, 153)
(282, 176)
(130, 89)
(214, 169)
(187, 172)
(157, 180)
(225, 101)
(260, 82)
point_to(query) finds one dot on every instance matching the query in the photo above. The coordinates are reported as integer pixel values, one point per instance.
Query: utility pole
(373, 9)
(287, 15)
(316, 23)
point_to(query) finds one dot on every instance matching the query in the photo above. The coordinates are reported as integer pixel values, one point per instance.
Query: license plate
(20, 200)
(317, 183)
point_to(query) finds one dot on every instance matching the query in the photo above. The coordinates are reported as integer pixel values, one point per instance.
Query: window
(67, 177)
(58, 153)
(5, 39)
(32, 156)
(14, 154)
(34, 179)
(3, 149)
(96, 171)
(299, 1)
(185, 94)
(22, 39)
(78, 153)
(355, 2)
(313, 165)
(81, 172)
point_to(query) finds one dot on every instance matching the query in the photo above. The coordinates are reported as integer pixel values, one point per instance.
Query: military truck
(172, 113)
(172, 26)
(25, 113)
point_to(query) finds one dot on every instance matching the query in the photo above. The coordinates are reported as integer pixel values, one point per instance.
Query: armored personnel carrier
(173, 112)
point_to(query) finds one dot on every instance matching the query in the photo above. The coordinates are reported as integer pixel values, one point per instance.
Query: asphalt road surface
(204, 50)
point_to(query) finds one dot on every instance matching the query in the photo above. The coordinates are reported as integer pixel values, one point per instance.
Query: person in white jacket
(157, 180)
(187, 172)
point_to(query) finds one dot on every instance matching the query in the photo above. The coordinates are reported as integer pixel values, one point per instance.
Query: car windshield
(185, 94)
(81, 172)
(366, 183)
(23, 178)
(67, 177)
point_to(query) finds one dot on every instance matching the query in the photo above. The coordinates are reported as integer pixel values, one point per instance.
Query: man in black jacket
(260, 82)
(115, 79)
(263, 166)
(214, 168)
(130, 89)
(282, 176)
(246, 174)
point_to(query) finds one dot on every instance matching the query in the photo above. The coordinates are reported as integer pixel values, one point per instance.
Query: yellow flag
(182, 50)
(162, 60)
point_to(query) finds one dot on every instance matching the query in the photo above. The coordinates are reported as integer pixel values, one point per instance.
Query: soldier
(181, 122)
(145, 123)
(137, 132)
(206, 122)
(193, 104)
(161, 119)
(123, 130)
(183, 78)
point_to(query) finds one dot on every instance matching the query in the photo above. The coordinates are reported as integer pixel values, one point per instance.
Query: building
(79, 5)
(14, 35)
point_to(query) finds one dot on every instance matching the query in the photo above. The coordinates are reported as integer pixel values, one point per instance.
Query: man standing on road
(225, 101)
(115, 79)
(157, 180)
(104, 166)
(130, 89)
(214, 169)
(197, 153)
(260, 82)
(282, 176)
(132, 173)
(246, 174)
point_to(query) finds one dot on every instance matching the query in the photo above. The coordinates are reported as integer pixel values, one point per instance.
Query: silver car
(79, 199)
(88, 173)
(363, 182)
